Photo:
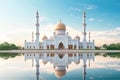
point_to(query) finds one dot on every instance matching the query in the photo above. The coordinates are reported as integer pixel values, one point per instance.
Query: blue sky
(17, 17)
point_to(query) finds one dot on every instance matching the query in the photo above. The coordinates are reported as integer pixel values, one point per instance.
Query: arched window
(47, 46)
(52, 47)
(79, 47)
(75, 55)
(90, 47)
(60, 46)
(87, 47)
(52, 55)
(87, 55)
(74, 46)
(47, 54)
(70, 46)
(70, 55)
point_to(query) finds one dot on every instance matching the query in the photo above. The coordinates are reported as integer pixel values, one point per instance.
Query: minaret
(84, 31)
(37, 69)
(84, 69)
(37, 30)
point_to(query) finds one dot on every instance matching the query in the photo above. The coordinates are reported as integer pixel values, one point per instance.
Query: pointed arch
(60, 46)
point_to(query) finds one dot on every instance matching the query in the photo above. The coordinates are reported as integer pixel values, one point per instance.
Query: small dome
(44, 62)
(60, 26)
(77, 62)
(60, 73)
(77, 37)
(51, 38)
(44, 38)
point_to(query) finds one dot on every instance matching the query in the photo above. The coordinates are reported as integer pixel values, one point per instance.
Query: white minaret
(37, 69)
(84, 69)
(84, 32)
(37, 30)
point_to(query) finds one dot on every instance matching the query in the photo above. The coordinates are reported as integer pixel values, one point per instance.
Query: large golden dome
(60, 73)
(60, 26)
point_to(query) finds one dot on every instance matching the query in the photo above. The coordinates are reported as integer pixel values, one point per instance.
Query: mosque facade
(60, 38)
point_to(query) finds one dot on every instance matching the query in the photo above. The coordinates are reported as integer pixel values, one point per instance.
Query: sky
(17, 19)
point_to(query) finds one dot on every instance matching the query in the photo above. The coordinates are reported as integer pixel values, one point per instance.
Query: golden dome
(60, 73)
(77, 37)
(44, 37)
(44, 62)
(60, 26)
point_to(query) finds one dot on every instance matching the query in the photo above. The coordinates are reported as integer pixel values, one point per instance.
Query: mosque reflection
(60, 61)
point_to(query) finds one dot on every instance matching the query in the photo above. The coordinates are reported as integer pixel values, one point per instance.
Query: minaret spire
(84, 31)
(37, 30)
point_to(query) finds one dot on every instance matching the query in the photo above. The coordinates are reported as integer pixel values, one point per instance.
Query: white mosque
(60, 38)
(60, 41)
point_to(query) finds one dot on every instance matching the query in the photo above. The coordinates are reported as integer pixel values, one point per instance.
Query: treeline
(8, 46)
(112, 46)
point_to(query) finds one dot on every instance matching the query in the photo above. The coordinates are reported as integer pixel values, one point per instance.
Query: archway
(61, 46)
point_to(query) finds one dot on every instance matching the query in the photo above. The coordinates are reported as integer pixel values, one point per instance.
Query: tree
(8, 46)
(105, 46)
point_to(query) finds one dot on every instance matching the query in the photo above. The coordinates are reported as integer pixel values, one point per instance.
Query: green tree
(8, 46)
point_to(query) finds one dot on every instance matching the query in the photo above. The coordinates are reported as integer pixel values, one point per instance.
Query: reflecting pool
(17, 68)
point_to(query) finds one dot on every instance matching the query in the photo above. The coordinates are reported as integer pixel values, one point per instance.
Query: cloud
(107, 37)
(43, 18)
(90, 7)
(76, 9)
(91, 19)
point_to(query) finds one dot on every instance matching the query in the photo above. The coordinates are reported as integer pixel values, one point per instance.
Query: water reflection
(103, 68)
(9, 55)
(60, 61)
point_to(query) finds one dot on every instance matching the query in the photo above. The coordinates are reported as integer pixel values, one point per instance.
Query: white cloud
(90, 7)
(91, 19)
(76, 9)
(43, 18)
(107, 37)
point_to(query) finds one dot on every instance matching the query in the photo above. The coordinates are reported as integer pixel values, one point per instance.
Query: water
(103, 68)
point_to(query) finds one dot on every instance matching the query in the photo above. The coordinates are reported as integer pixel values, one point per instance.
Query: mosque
(60, 38)
(60, 41)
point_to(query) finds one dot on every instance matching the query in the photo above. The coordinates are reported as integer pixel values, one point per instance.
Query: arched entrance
(60, 46)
